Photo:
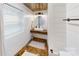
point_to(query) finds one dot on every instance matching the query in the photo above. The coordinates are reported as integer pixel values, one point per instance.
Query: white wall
(56, 26)
(45, 12)
(73, 26)
(13, 44)
(0, 29)
(0, 40)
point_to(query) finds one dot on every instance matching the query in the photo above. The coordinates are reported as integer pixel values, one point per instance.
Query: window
(13, 20)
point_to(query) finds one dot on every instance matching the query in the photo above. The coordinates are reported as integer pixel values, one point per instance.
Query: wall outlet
(51, 50)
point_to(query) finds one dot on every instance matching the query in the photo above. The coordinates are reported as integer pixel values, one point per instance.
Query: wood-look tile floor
(35, 50)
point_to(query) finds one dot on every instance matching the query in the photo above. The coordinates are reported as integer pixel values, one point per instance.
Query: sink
(38, 29)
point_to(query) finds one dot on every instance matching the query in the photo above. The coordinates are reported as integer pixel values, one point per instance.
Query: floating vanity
(43, 32)
(39, 33)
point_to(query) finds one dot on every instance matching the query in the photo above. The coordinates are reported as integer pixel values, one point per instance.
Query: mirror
(40, 21)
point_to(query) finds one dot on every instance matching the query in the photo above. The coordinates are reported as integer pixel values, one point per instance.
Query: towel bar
(68, 19)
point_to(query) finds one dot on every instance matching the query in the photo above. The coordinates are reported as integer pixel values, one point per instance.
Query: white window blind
(13, 20)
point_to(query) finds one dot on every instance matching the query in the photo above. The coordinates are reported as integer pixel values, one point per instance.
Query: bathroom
(29, 29)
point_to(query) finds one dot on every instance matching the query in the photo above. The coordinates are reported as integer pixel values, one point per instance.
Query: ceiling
(37, 6)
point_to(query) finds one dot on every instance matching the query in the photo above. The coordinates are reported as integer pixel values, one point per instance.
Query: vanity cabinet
(39, 34)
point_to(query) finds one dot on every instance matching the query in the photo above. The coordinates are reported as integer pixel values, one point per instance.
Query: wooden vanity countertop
(39, 32)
